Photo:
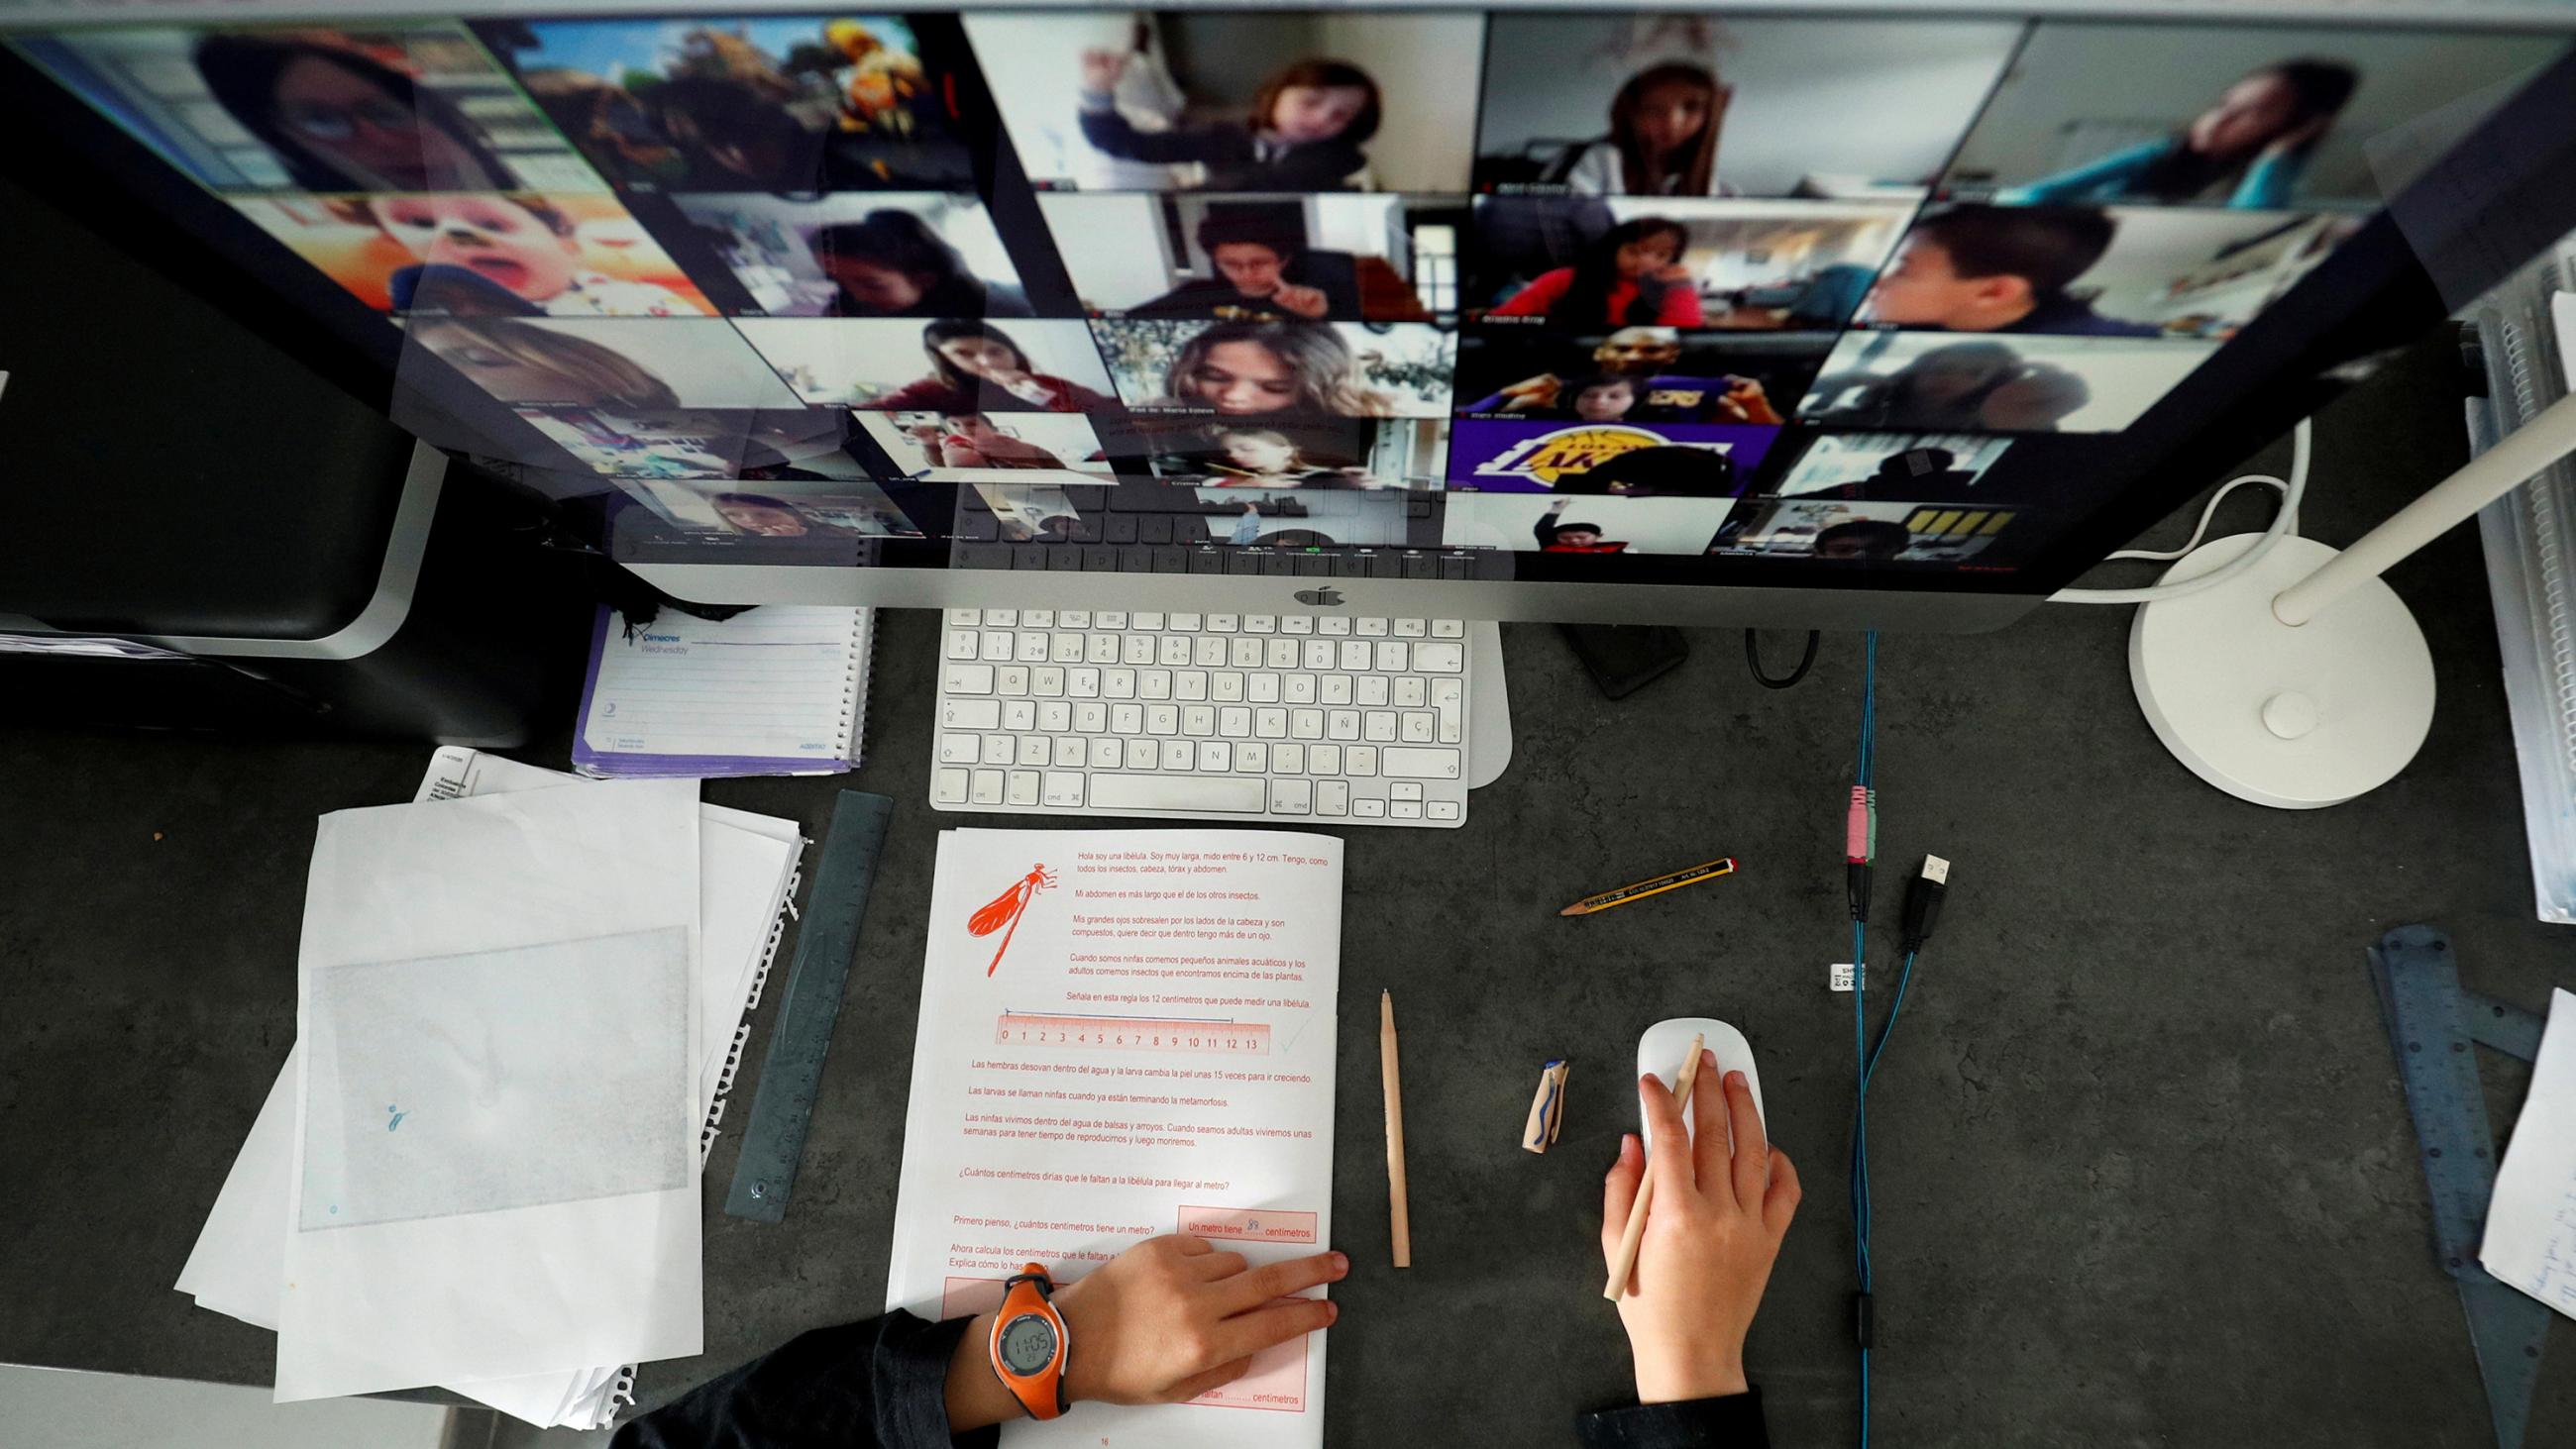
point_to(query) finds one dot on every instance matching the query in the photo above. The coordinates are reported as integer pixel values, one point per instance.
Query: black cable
(1753, 661)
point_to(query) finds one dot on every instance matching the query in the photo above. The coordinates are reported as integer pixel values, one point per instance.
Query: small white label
(1839, 975)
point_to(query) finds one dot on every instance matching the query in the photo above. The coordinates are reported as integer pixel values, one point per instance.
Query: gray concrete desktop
(2143, 1174)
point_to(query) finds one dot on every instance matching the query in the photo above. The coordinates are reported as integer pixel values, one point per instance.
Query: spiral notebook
(777, 690)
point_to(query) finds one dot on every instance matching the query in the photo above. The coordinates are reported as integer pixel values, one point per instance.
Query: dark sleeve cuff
(1731, 1422)
(883, 1382)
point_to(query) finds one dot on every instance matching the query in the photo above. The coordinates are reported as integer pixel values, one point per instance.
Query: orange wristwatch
(1030, 1344)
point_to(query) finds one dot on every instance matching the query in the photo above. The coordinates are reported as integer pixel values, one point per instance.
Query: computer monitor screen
(1844, 300)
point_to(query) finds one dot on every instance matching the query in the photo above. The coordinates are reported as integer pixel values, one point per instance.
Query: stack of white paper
(517, 970)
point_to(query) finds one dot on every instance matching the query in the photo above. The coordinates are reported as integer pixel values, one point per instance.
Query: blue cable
(1861, 1056)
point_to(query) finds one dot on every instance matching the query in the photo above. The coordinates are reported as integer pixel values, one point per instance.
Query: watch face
(1028, 1344)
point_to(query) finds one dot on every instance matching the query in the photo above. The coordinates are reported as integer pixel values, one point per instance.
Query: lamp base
(2294, 718)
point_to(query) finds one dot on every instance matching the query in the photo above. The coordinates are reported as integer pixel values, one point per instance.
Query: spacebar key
(1237, 794)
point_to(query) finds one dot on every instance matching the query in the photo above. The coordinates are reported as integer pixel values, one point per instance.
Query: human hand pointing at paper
(1161, 1323)
(1719, 1212)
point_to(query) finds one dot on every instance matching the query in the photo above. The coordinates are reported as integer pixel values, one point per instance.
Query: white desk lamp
(2300, 680)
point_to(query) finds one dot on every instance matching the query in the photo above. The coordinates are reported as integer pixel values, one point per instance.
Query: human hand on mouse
(1723, 1200)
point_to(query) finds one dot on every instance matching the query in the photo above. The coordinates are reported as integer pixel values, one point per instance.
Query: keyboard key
(1411, 693)
(1234, 722)
(1119, 683)
(1002, 618)
(1448, 629)
(1162, 719)
(1143, 754)
(1154, 794)
(1189, 684)
(1001, 749)
(1215, 756)
(1126, 719)
(1441, 809)
(1090, 717)
(1152, 623)
(1260, 623)
(1404, 810)
(1262, 689)
(1414, 726)
(1292, 797)
(1353, 656)
(1390, 657)
(1112, 619)
(1055, 717)
(1068, 752)
(1011, 679)
(1023, 788)
(1297, 624)
(1368, 809)
(1270, 724)
(1279, 654)
(1297, 689)
(1106, 752)
(1318, 655)
(1378, 726)
(1208, 651)
(1031, 647)
(1173, 650)
(1305, 724)
(986, 788)
(1336, 689)
(1342, 724)
(1250, 758)
(1136, 649)
(1062, 791)
(1287, 759)
(995, 647)
(1073, 618)
(1439, 656)
(967, 679)
(1410, 628)
(1184, 623)
(1371, 628)
(1198, 721)
(1064, 648)
(1333, 625)
(1037, 618)
(1046, 681)
(1018, 715)
(948, 787)
(1243, 652)
(1426, 763)
(1371, 691)
(1405, 790)
(1035, 751)
(1323, 759)
(1082, 682)
(1448, 700)
(970, 714)
(958, 749)
(1332, 797)
(1100, 648)
(1223, 623)
(1225, 687)
(1153, 684)
(1360, 760)
(964, 618)
(963, 644)
(1179, 754)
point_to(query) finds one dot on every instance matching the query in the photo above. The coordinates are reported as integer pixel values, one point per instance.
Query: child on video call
(1256, 368)
(1663, 137)
(1645, 356)
(475, 246)
(340, 121)
(972, 440)
(1631, 276)
(975, 365)
(892, 263)
(1963, 387)
(1267, 458)
(1308, 124)
(2246, 150)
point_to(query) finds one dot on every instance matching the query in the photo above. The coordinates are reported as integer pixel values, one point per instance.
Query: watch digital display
(1028, 1344)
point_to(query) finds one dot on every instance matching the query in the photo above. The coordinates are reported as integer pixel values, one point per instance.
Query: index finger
(1668, 1163)
(1246, 1334)
(1256, 1286)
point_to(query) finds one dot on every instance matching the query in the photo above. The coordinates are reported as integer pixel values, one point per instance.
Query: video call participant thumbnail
(1662, 383)
(1274, 369)
(1631, 275)
(520, 255)
(1976, 386)
(891, 263)
(1919, 467)
(649, 365)
(1306, 132)
(1997, 269)
(1263, 274)
(339, 121)
(974, 365)
(754, 103)
(2245, 149)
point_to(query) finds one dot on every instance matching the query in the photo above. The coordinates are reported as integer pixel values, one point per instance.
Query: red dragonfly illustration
(1007, 908)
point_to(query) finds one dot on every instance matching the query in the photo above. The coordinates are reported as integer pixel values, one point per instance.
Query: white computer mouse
(1660, 1051)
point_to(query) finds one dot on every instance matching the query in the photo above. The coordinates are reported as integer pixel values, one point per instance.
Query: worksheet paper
(463, 917)
(2531, 1222)
(1125, 1034)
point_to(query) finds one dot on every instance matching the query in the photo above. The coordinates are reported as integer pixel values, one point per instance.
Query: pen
(1707, 870)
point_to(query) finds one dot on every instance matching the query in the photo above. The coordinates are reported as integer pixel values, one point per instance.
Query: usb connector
(1923, 902)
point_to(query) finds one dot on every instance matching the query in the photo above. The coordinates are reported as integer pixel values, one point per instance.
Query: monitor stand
(1489, 716)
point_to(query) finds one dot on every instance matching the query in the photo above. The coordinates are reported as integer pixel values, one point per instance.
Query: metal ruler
(2431, 1025)
(782, 1107)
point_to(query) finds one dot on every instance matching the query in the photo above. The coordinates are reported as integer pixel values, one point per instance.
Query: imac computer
(1862, 315)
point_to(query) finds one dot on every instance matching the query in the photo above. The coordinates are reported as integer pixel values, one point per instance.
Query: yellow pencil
(1709, 870)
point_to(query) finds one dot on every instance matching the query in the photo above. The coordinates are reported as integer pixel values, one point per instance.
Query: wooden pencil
(1399, 1219)
(1626, 1262)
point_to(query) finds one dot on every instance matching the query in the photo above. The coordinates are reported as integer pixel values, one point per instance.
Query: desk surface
(2143, 1174)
